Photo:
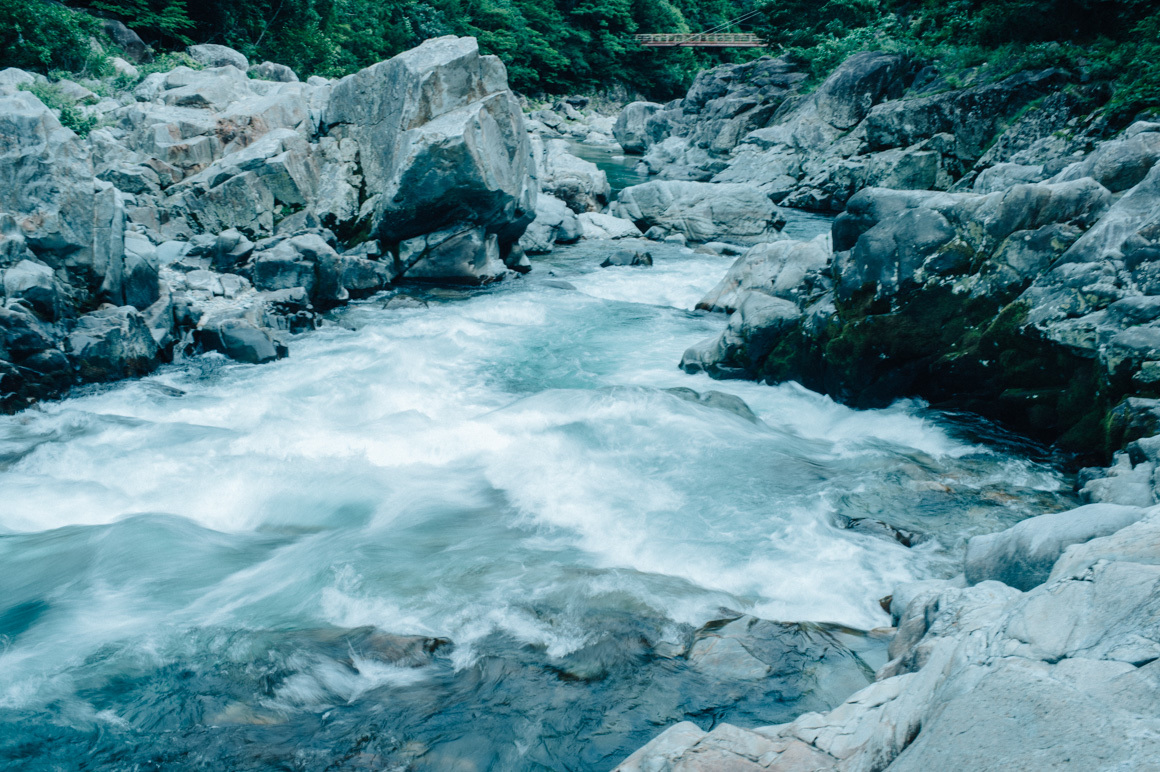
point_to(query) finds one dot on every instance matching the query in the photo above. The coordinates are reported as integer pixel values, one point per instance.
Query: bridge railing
(715, 39)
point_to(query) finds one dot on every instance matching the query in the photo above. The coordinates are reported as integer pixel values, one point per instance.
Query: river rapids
(465, 530)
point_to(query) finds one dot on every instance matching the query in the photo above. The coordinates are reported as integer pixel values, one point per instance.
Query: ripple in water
(480, 534)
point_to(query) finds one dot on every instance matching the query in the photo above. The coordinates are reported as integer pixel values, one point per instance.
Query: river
(461, 530)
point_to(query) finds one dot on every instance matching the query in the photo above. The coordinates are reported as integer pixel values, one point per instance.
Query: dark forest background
(561, 46)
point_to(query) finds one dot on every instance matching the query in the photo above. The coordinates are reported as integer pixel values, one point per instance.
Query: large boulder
(442, 145)
(632, 127)
(128, 41)
(240, 340)
(703, 211)
(112, 343)
(791, 270)
(757, 325)
(1023, 555)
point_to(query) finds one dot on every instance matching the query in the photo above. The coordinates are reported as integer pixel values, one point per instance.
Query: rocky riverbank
(220, 207)
(993, 252)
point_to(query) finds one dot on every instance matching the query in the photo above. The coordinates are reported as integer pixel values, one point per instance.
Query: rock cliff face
(221, 208)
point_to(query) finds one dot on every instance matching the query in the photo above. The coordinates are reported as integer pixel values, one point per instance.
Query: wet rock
(111, 344)
(628, 257)
(240, 340)
(1023, 555)
(880, 530)
(792, 270)
(461, 255)
(718, 400)
(754, 329)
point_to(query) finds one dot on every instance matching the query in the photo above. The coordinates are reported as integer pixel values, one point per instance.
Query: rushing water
(459, 531)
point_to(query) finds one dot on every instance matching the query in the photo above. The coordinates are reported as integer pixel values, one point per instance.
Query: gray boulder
(623, 257)
(112, 343)
(595, 225)
(1117, 165)
(1023, 555)
(578, 183)
(239, 339)
(442, 145)
(69, 220)
(1005, 175)
(275, 72)
(128, 41)
(632, 127)
(754, 329)
(35, 284)
(703, 211)
(554, 223)
(212, 55)
(791, 270)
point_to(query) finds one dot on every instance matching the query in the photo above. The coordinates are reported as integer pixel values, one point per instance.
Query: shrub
(69, 114)
(40, 35)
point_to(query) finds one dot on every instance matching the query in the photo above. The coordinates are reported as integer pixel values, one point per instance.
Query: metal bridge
(700, 40)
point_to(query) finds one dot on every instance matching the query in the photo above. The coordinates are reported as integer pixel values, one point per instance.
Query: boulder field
(994, 250)
(224, 207)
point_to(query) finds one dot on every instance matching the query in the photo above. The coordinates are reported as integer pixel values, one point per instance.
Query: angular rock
(578, 183)
(554, 223)
(594, 225)
(792, 270)
(111, 344)
(275, 72)
(442, 144)
(703, 211)
(35, 284)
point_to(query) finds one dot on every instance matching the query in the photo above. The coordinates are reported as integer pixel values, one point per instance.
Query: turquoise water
(467, 531)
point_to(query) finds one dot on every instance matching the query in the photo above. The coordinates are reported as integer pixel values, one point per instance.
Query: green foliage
(165, 21)
(70, 115)
(558, 46)
(974, 41)
(40, 34)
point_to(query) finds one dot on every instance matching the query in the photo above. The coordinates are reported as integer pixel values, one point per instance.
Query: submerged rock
(628, 257)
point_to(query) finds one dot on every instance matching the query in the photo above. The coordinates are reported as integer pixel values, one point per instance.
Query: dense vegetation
(558, 46)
